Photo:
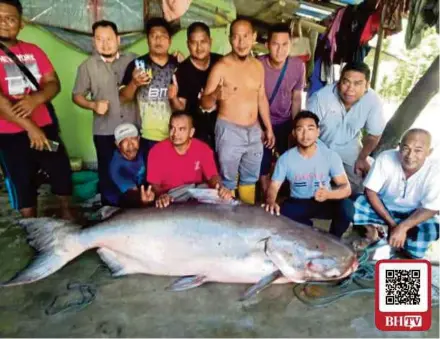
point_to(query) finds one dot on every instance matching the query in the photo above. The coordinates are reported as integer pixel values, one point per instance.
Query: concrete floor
(138, 306)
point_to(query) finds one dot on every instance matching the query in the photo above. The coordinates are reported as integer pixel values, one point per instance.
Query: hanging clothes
(392, 22)
(313, 36)
(322, 65)
(422, 14)
(371, 28)
(350, 31)
(334, 28)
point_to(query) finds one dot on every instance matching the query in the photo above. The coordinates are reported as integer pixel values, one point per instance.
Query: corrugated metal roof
(320, 10)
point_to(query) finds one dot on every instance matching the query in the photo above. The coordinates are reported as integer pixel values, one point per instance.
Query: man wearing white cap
(127, 169)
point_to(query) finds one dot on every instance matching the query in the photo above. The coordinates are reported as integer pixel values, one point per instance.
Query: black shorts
(20, 165)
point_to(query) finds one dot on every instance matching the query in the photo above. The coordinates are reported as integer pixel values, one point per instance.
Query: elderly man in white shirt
(344, 110)
(402, 192)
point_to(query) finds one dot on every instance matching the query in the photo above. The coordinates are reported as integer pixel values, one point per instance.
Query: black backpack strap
(20, 65)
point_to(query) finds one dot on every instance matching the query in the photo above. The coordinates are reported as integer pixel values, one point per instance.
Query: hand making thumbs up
(321, 193)
(222, 90)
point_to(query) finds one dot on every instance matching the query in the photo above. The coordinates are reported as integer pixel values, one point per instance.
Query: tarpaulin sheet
(72, 20)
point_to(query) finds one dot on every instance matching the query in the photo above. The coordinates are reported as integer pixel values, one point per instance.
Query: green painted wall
(76, 123)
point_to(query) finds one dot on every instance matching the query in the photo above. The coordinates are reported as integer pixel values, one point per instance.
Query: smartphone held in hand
(53, 146)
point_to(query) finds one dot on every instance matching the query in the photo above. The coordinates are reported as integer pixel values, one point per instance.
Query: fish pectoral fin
(186, 283)
(261, 285)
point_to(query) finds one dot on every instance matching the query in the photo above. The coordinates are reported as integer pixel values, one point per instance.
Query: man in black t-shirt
(146, 81)
(190, 79)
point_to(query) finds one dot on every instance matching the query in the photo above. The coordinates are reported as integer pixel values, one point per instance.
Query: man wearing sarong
(402, 193)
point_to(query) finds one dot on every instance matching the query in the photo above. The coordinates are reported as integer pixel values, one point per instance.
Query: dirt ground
(139, 306)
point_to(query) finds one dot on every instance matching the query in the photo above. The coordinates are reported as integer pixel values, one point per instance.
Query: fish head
(302, 260)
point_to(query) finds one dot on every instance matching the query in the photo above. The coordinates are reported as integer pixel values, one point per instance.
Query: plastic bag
(300, 45)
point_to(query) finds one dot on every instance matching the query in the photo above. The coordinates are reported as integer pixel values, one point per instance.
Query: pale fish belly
(181, 247)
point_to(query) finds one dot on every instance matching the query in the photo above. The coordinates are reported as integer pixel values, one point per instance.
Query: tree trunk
(409, 110)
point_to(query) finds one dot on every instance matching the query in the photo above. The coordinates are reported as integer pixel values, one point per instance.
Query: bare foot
(372, 233)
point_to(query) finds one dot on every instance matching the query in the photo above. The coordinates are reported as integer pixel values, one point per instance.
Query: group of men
(161, 123)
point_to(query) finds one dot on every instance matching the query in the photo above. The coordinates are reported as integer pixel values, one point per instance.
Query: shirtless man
(236, 84)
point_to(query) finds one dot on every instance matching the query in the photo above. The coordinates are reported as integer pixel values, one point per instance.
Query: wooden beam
(378, 50)
(146, 10)
(313, 26)
(424, 90)
(260, 27)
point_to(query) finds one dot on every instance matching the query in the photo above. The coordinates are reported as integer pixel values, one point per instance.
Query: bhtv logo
(403, 295)
(407, 321)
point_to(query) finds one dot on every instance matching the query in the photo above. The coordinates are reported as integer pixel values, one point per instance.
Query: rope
(88, 295)
(87, 291)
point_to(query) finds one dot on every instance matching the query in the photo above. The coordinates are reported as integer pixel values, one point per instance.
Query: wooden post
(378, 50)
(146, 12)
(409, 110)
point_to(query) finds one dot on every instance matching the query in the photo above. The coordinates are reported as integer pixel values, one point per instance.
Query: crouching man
(402, 192)
(182, 160)
(127, 170)
(310, 167)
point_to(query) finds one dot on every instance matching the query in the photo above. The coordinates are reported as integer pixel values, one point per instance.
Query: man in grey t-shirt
(344, 110)
(100, 77)
(310, 167)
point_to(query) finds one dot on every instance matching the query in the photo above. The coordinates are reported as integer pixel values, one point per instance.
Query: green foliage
(408, 73)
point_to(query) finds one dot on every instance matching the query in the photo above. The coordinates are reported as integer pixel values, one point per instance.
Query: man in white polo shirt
(402, 191)
(344, 110)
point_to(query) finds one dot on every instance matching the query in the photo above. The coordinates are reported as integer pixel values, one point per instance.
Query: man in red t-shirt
(26, 124)
(182, 160)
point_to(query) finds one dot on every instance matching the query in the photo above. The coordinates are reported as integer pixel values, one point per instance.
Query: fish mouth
(352, 268)
(332, 273)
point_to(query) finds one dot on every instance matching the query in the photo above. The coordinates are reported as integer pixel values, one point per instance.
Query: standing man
(100, 77)
(191, 78)
(310, 168)
(284, 82)
(344, 110)
(236, 84)
(26, 124)
(146, 80)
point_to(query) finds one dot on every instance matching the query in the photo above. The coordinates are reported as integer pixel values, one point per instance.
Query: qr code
(402, 287)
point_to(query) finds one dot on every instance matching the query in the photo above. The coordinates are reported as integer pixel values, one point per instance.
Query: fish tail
(56, 243)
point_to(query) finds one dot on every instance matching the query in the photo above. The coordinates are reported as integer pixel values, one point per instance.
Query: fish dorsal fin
(279, 260)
